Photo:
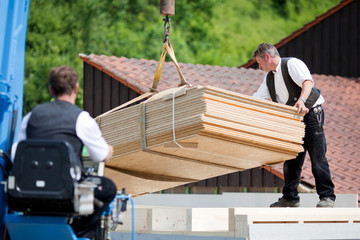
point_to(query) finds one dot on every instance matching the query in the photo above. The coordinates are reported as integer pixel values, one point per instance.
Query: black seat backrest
(43, 176)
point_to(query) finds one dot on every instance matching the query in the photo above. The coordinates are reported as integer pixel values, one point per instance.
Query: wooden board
(189, 134)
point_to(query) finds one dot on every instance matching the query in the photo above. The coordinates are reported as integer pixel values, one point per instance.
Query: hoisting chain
(167, 25)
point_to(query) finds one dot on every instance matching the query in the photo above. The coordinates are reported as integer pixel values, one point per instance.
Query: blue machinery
(55, 228)
(13, 26)
(14, 13)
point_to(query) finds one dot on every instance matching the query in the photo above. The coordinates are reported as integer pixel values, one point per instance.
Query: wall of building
(331, 46)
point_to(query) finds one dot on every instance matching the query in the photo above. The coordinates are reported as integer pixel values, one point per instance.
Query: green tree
(215, 32)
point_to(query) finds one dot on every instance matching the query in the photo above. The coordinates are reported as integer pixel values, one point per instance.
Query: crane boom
(13, 19)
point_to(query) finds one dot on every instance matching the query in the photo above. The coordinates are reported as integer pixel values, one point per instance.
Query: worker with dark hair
(61, 119)
(288, 81)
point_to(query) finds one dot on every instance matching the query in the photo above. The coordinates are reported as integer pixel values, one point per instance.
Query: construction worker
(288, 81)
(62, 120)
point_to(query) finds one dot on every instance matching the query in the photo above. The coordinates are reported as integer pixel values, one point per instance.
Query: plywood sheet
(189, 134)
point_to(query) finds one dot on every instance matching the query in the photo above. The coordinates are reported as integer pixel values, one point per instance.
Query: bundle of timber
(184, 135)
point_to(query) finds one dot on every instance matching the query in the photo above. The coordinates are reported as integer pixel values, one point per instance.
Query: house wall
(103, 93)
(332, 46)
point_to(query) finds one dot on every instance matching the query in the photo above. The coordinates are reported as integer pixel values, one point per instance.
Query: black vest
(55, 120)
(293, 89)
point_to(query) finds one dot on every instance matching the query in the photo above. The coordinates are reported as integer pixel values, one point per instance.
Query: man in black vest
(289, 82)
(62, 120)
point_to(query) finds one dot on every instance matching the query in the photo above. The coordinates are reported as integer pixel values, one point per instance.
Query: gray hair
(265, 48)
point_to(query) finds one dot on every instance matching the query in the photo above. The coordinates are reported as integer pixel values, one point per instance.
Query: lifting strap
(167, 48)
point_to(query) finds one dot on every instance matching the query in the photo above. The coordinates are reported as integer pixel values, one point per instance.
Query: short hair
(265, 48)
(62, 80)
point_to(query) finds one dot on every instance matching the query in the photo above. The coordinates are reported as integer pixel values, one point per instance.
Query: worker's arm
(21, 135)
(110, 153)
(305, 92)
(89, 133)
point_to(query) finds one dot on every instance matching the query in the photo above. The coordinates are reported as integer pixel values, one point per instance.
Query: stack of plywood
(184, 135)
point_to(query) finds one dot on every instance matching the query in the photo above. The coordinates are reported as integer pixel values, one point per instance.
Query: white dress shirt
(298, 71)
(86, 129)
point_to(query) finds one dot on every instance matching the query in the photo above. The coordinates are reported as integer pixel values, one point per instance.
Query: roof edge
(85, 58)
(273, 171)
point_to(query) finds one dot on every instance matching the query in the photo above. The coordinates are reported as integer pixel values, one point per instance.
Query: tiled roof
(342, 108)
(306, 27)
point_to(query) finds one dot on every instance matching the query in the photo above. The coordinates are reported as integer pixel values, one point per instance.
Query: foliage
(215, 32)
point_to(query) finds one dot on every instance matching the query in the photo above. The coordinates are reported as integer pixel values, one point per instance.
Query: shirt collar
(277, 67)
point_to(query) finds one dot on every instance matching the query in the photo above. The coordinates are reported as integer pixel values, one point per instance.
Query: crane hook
(167, 8)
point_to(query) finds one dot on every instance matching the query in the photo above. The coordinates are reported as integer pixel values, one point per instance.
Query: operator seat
(45, 179)
(45, 190)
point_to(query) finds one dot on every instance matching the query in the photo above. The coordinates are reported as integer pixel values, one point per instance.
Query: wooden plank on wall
(98, 86)
(345, 51)
(234, 179)
(326, 35)
(316, 49)
(201, 183)
(305, 51)
(354, 38)
(223, 181)
(88, 87)
(124, 94)
(245, 178)
(106, 93)
(256, 177)
(132, 94)
(115, 91)
(212, 182)
(268, 179)
(335, 41)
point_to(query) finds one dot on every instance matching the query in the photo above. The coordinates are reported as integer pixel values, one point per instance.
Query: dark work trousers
(85, 226)
(315, 144)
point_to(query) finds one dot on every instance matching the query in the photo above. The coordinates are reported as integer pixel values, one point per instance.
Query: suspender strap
(293, 89)
(271, 85)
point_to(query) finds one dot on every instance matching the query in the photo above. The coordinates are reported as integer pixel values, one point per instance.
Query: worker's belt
(317, 109)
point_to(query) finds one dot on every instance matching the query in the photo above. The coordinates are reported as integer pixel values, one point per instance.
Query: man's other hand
(300, 105)
(110, 153)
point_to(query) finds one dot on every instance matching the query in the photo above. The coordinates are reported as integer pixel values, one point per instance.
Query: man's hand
(300, 105)
(305, 92)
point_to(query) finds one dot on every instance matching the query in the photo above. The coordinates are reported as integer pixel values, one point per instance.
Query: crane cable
(167, 48)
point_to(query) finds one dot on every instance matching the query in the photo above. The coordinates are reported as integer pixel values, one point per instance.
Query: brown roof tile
(342, 110)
